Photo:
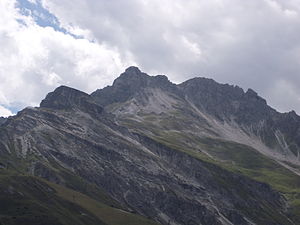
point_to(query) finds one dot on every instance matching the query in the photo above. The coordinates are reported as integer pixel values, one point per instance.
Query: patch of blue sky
(14, 109)
(41, 15)
(7, 110)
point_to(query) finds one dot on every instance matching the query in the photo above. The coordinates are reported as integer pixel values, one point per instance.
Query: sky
(86, 44)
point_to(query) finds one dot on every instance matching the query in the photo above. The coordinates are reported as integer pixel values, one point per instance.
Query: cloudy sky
(86, 44)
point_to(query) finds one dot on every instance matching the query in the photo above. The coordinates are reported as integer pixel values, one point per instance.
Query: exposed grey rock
(225, 103)
(143, 175)
(66, 98)
(2, 120)
(129, 84)
(71, 132)
(249, 110)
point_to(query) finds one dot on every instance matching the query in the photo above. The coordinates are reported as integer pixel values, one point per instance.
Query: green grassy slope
(34, 201)
(232, 156)
(244, 160)
(110, 215)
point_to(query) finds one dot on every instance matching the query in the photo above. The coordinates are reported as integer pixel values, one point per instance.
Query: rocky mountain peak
(63, 97)
(66, 98)
(293, 114)
(161, 80)
(254, 96)
(2, 120)
(211, 87)
(132, 78)
(251, 92)
(129, 83)
(226, 101)
(133, 70)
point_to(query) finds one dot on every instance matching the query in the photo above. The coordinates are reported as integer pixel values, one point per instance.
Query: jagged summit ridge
(133, 77)
(128, 84)
(63, 97)
(221, 100)
(66, 98)
(241, 116)
(226, 102)
(133, 70)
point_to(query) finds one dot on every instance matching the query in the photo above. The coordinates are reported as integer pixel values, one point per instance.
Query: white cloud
(33, 1)
(34, 60)
(250, 43)
(284, 94)
(5, 112)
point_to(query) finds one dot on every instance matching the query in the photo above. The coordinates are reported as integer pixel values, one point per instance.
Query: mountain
(2, 120)
(225, 112)
(230, 104)
(147, 151)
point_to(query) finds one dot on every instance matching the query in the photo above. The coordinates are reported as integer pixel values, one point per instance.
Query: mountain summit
(66, 98)
(128, 85)
(146, 151)
(243, 117)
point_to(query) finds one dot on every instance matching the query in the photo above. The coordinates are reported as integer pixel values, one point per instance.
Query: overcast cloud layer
(86, 44)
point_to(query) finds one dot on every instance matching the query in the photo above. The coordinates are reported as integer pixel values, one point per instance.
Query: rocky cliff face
(2, 120)
(230, 113)
(155, 148)
(250, 111)
(131, 83)
(226, 102)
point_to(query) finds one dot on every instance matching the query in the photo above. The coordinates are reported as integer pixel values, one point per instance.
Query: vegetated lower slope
(37, 188)
(195, 137)
(29, 200)
(159, 155)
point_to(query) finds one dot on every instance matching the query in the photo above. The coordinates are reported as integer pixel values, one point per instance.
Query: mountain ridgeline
(226, 103)
(147, 151)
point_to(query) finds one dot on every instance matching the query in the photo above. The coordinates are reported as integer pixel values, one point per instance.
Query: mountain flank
(147, 151)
